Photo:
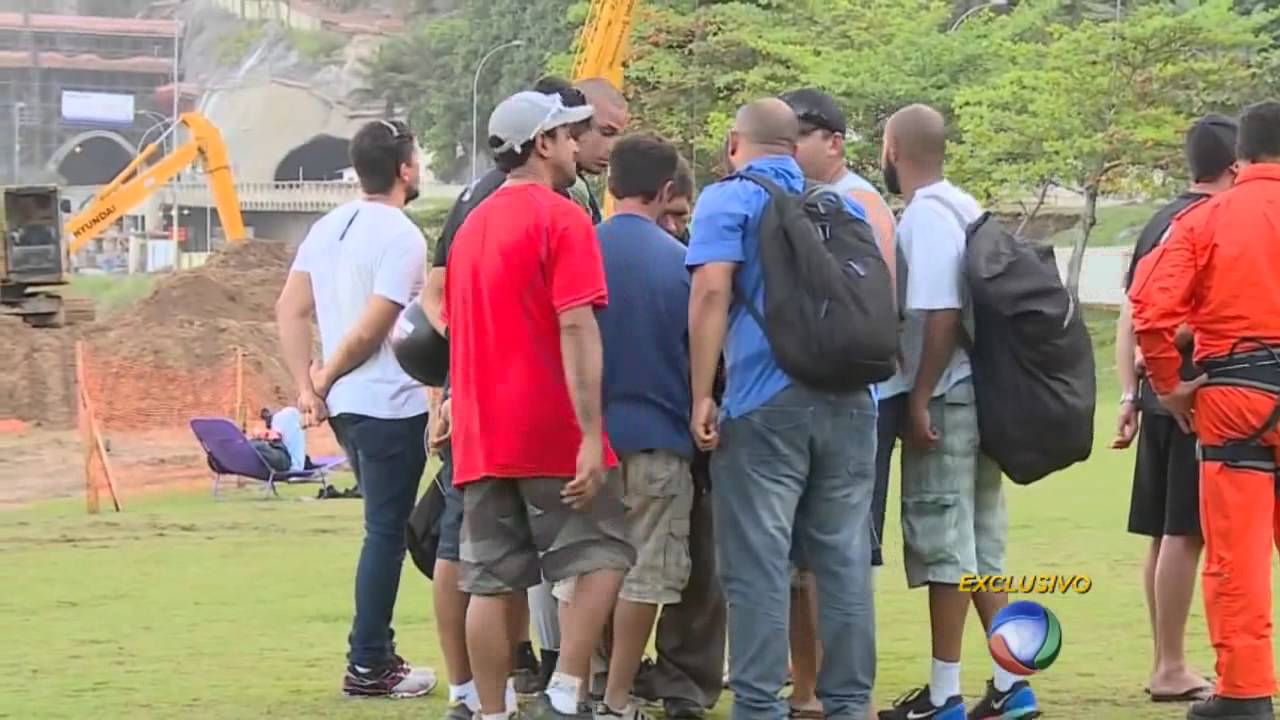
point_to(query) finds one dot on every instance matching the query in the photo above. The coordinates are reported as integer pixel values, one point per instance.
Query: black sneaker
(916, 705)
(644, 687)
(527, 676)
(458, 710)
(395, 680)
(542, 709)
(1017, 704)
(1221, 708)
(681, 709)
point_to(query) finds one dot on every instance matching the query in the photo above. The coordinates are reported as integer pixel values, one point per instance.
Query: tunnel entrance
(93, 160)
(323, 157)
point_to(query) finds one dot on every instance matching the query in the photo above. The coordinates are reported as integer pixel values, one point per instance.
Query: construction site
(202, 343)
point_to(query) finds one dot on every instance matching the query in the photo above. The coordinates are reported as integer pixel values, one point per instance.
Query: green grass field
(182, 607)
(1117, 225)
(110, 292)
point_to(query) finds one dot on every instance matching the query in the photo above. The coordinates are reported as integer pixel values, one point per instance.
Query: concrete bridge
(290, 197)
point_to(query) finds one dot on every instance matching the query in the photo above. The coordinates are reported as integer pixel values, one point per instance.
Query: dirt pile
(170, 347)
(37, 374)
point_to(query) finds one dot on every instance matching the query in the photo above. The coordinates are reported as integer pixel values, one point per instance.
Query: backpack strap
(774, 190)
(966, 313)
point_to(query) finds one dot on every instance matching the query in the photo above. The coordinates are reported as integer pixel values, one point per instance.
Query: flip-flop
(1209, 681)
(1204, 692)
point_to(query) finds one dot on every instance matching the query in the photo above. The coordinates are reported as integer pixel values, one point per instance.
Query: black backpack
(828, 297)
(422, 532)
(1033, 368)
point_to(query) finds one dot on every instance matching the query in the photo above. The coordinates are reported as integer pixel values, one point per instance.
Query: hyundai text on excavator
(35, 255)
(133, 186)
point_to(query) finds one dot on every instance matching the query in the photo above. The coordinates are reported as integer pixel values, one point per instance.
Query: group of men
(1200, 373)
(589, 450)
(612, 397)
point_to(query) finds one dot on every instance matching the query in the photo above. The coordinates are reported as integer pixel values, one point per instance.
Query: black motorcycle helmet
(422, 352)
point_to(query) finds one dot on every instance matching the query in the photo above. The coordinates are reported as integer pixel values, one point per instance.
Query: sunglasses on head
(399, 131)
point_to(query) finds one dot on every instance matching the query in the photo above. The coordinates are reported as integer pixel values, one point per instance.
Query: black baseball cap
(816, 108)
(1211, 146)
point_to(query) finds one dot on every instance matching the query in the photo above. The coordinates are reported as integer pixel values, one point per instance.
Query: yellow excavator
(36, 246)
(134, 185)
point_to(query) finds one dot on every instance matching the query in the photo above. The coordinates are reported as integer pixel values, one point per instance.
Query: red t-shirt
(524, 256)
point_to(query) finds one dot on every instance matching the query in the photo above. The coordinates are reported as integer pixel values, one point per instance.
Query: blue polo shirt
(726, 228)
(645, 332)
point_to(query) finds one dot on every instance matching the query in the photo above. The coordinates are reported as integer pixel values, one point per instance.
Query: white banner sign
(90, 108)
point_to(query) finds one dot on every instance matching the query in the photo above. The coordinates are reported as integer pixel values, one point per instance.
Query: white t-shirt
(933, 243)
(359, 250)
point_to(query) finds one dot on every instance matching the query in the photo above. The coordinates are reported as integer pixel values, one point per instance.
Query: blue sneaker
(1017, 704)
(917, 705)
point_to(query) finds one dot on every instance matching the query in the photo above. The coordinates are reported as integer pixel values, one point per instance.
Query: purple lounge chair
(229, 452)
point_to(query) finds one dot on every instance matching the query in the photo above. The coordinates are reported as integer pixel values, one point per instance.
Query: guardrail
(304, 196)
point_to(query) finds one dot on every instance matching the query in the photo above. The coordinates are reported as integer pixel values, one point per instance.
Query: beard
(891, 181)
(411, 193)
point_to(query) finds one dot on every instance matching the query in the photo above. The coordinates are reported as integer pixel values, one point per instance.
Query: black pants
(690, 637)
(892, 416)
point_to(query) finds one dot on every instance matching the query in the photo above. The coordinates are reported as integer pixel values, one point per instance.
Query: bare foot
(1178, 684)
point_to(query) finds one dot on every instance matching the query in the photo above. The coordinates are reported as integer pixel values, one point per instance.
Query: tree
(1100, 106)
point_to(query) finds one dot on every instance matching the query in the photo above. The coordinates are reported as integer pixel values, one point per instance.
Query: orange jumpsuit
(1219, 272)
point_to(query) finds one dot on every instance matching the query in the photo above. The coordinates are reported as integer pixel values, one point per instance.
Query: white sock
(511, 695)
(562, 691)
(466, 692)
(944, 682)
(1003, 679)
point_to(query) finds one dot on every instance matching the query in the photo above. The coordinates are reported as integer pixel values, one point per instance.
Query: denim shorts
(953, 511)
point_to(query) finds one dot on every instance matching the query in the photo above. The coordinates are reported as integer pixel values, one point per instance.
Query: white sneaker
(398, 680)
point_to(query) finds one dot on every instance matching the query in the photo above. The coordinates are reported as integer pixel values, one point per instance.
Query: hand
(1126, 425)
(590, 475)
(705, 424)
(920, 430)
(1181, 402)
(1184, 338)
(442, 424)
(312, 407)
(320, 379)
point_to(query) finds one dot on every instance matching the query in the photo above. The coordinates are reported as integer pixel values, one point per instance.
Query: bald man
(788, 461)
(596, 144)
(953, 512)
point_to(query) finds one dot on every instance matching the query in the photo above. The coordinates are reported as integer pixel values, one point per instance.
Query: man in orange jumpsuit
(1219, 273)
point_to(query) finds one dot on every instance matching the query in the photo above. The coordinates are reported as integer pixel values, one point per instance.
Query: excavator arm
(131, 188)
(602, 46)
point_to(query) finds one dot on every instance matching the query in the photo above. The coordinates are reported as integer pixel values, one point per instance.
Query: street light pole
(17, 141)
(177, 41)
(974, 10)
(475, 104)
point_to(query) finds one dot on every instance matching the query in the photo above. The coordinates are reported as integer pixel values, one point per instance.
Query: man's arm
(1126, 352)
(583, 355)
(295, 311)
(941, 333)
(709, 300)
(360, 342)
(433, 299)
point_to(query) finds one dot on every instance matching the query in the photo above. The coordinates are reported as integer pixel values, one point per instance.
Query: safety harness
(1257, 369)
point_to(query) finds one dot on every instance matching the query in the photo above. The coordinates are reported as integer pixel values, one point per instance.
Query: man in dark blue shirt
(646, 397)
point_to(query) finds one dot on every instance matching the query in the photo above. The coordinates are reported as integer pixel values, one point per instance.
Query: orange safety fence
(134, 418)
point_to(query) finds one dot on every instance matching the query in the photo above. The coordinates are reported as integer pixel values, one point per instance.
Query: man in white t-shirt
(359, 266)
(953, 512)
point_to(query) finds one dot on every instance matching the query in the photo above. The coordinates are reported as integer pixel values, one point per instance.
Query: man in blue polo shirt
(786, 457)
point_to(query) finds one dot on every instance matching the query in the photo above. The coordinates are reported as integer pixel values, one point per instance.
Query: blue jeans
(805, 460)
(388, 457)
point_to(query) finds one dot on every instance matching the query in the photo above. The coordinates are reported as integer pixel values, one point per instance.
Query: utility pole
(177, 42)
(18, 107)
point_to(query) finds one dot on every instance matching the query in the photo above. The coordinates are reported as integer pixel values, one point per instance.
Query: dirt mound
(195, 320)
(172, 353)
(37, 379)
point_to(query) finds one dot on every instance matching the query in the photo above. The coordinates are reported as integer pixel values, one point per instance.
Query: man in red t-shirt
(541, 492)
